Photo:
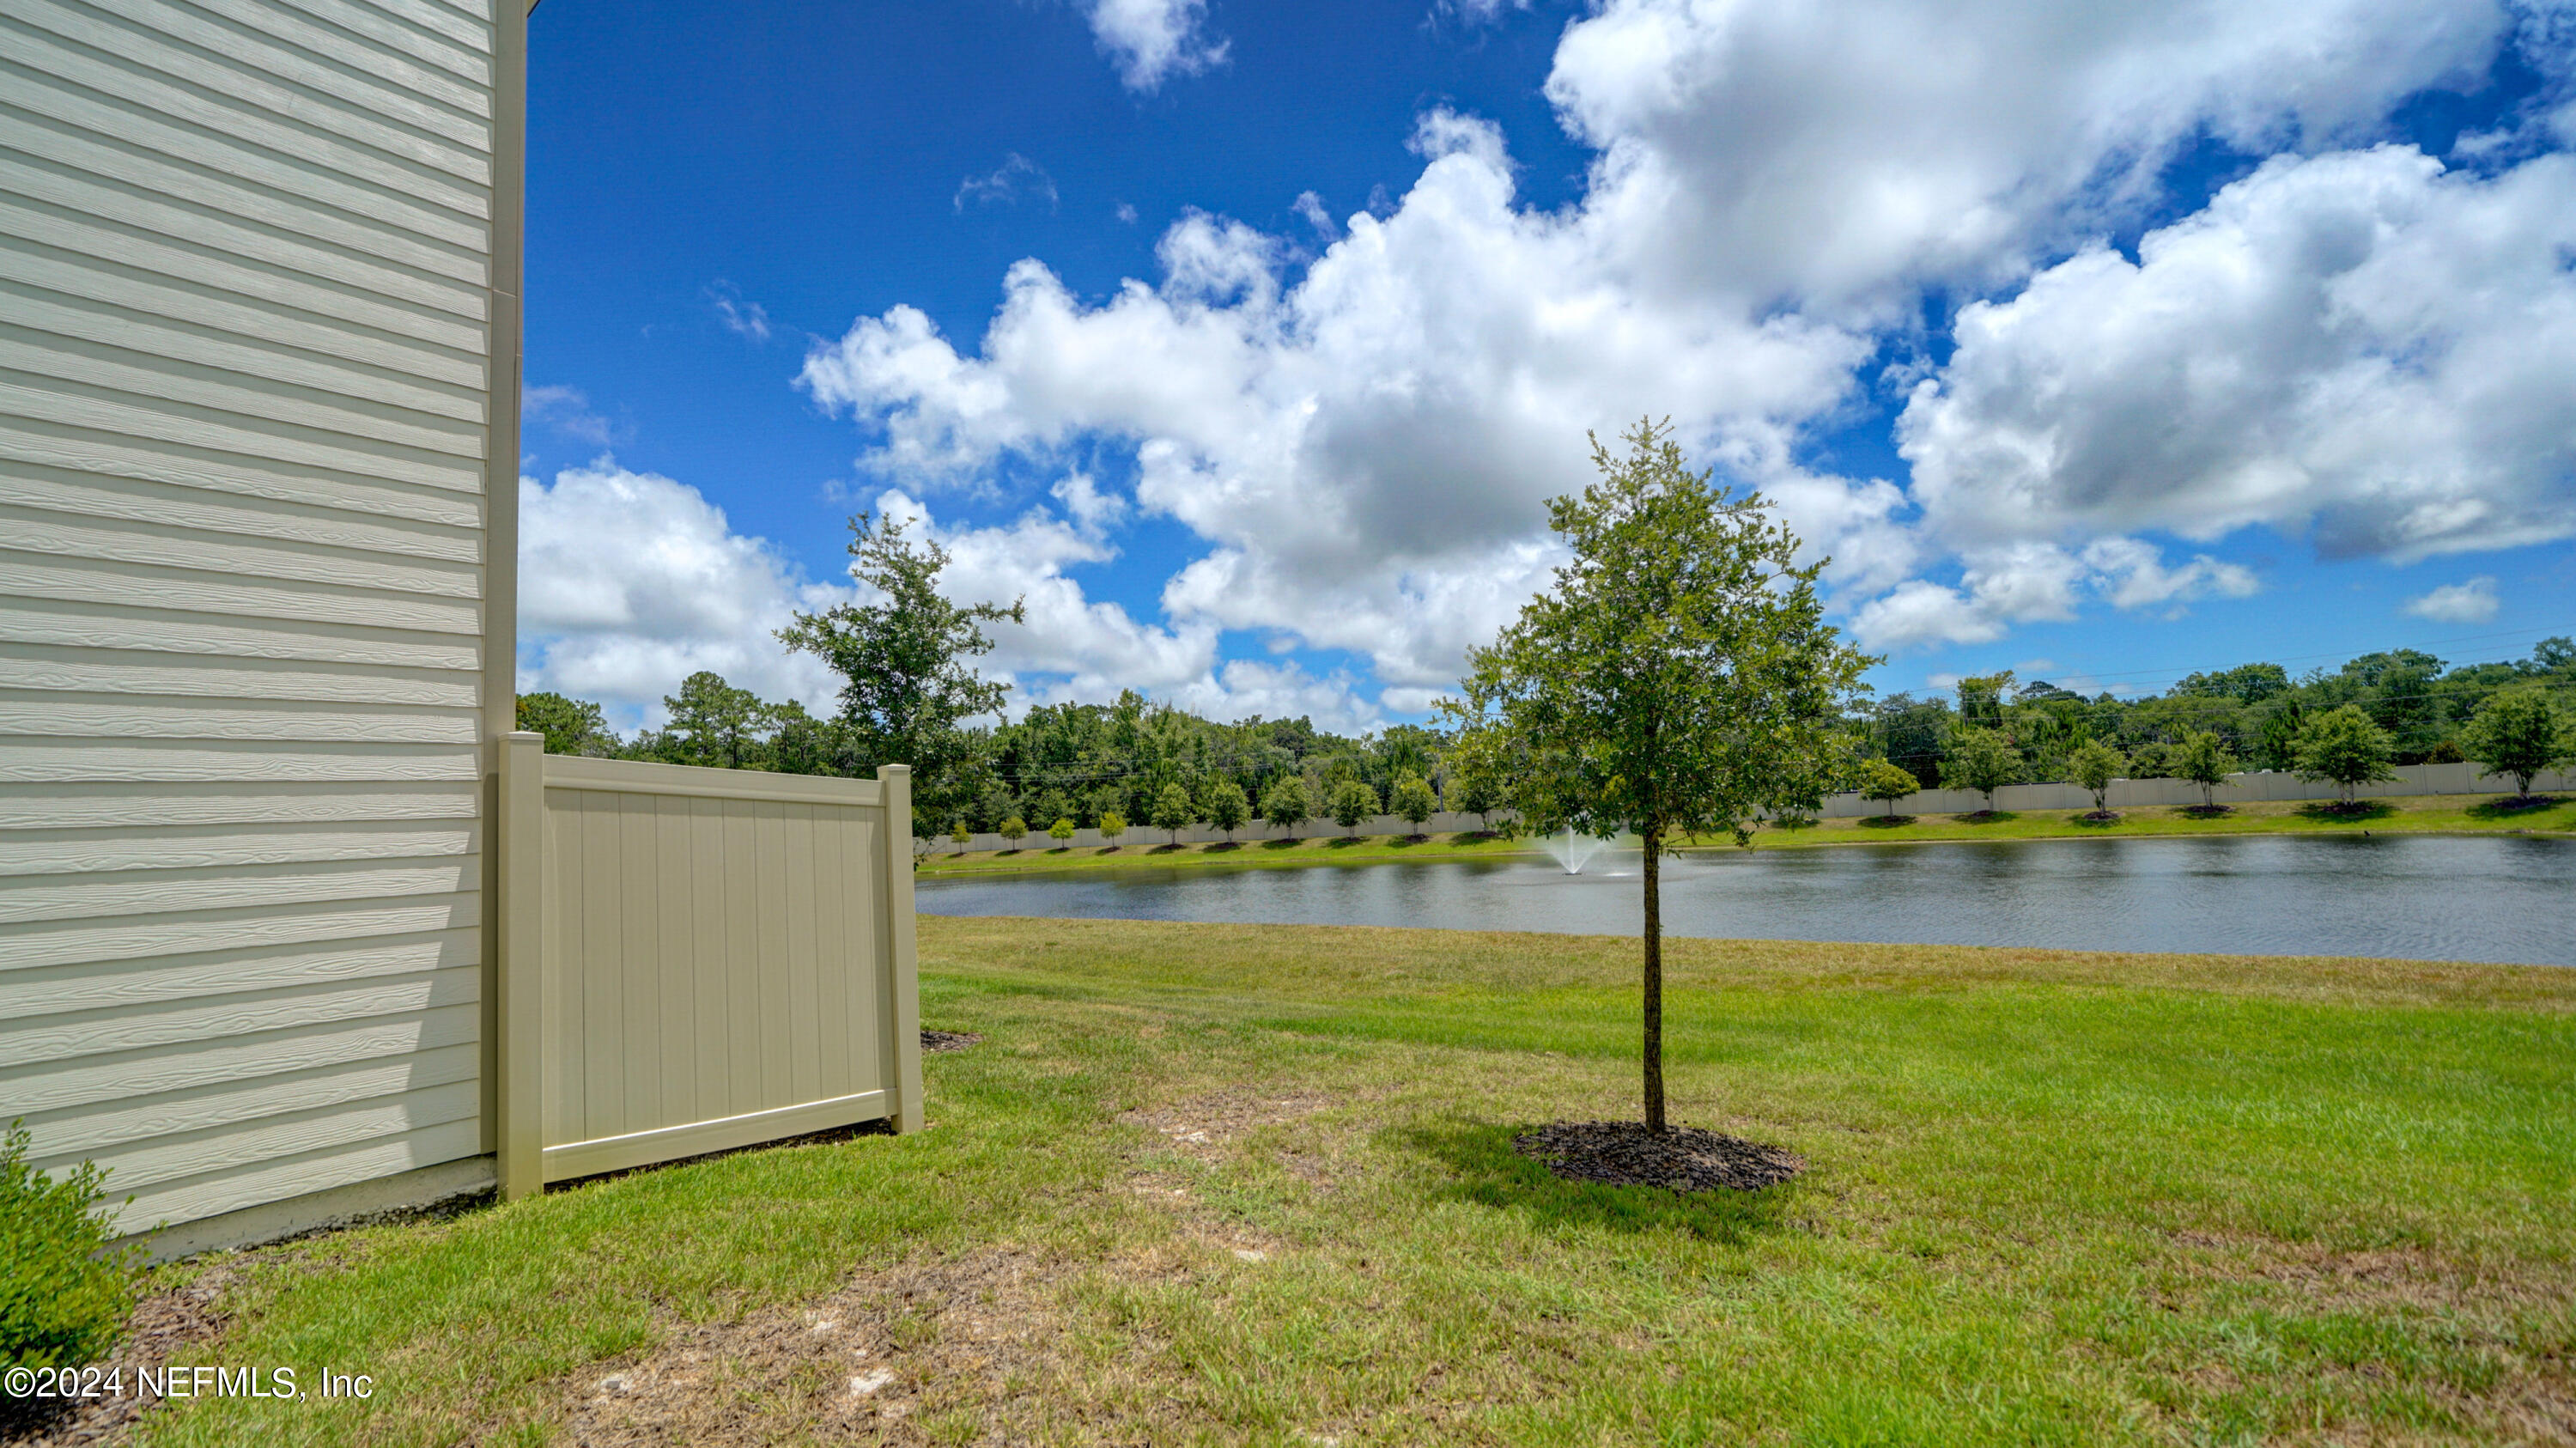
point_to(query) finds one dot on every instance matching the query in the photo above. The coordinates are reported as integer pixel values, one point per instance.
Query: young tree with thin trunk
(1352, 801)
(1284, 804)
(1062, 830)
(1174, 811)
(1112, 825)
(1013, 830)
(1227, 808)
(2345, 746)
(1677, 679)
(2517, 733)
(2094, 765)
(1475, 792)
(1412, 801)
(2204, 761)
(1881, 780)
(1982, 760)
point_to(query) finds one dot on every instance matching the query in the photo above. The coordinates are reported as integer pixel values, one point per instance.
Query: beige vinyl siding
(246, 364)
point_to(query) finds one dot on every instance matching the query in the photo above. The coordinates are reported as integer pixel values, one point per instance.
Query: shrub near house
(63, 1296)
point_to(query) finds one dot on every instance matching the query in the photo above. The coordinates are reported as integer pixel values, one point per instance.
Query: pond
(2419, 897)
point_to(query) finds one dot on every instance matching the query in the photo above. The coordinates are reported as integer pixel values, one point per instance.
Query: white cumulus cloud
(2470, 602)
(629, 582)
(1151, 41)
(2358, 343)
(1831, 150)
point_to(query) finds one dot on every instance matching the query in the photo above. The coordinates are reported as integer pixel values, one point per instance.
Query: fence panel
(722, 957)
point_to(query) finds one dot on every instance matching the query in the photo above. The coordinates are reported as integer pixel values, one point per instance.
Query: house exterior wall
(258, 377)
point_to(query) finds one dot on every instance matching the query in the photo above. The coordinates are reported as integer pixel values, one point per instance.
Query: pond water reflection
(2422, 897)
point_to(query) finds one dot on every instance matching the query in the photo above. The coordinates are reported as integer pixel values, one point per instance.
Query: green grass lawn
(1215, 1184)
(2438, 814)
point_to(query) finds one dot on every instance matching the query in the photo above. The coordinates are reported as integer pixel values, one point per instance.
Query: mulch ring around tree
(949, 1040)
(1684, 1158)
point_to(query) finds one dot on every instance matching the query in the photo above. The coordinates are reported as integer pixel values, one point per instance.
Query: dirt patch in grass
(949, 1040)
(975, 1349)
(1219, 1119)
(881, 1360)
(1684, 1158)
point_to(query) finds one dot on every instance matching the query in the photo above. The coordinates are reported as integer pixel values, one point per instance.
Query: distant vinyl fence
(2412, 779)
(1146, 836)
(697, 959)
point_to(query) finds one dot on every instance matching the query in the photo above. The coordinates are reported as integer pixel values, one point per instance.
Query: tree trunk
(1654, 1045)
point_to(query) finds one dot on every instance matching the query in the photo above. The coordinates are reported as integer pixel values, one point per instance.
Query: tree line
(910, 695)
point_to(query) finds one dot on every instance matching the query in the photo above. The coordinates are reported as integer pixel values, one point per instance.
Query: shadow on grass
(1487, 1172)
(2100, 819)
(1885, 822)
(1988, 817)
(1219, 847)
(2206, 811)
(2338, 812)
(2513, 806)
(1344, 843)
(1287, 844)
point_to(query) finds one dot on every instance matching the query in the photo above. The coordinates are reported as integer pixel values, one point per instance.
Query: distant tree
(716, 724)
(1174, 810)
(2151, 760)
(2516, 733)
(2246, 683)
(1982, 698)
(1412, 800)
(905, 661)
(1285, 805)
(571, 726)
(1227, 808)
(959, 833)
(1062, 830)
(1012, 829)
(1881, 780)
(1677, 678)
(2205, 762)
(1475, 791)
(2094, 765)
(1352, 801)
(803, 743)
(2344, 746)
(1982, 760)
(1112, 825)
(1912, 733)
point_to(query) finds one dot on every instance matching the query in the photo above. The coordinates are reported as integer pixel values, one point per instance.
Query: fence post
(895, 781)
(517, 929)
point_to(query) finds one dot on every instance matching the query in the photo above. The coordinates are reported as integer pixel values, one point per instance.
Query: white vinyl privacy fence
(2412, 779)
(697, 959)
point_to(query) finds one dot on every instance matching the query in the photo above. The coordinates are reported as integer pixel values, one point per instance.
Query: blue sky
(1246, 341)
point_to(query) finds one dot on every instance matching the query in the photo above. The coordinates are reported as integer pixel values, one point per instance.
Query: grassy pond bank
(1220, 1184)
